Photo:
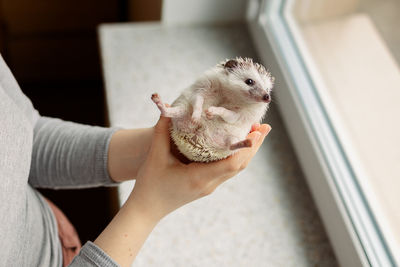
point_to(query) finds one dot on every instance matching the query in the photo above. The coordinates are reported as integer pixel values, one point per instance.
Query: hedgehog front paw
(209, 114)
(155, 97)
(195, 120)
(196, 116)
(157, 100)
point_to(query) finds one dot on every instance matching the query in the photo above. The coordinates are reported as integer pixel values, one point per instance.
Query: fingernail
(267, 131)
(257, 136)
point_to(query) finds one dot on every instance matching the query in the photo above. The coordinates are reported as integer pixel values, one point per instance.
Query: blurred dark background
(52, 50)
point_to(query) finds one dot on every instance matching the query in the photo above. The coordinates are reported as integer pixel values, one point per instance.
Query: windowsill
(266, 213)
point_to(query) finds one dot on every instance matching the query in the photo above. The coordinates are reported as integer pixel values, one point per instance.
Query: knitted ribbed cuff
(102, 158)
(92, 255)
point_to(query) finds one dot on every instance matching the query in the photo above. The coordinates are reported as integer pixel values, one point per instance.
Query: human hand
(164, 183)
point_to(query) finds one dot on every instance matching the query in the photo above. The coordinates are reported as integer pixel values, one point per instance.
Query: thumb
(161, 139)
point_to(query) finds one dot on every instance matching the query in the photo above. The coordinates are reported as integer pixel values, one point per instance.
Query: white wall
(203, 11)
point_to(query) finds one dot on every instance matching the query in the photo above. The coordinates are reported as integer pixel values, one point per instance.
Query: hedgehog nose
(266, 98)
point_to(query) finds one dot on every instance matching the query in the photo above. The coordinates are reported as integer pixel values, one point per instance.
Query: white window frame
(348, 219)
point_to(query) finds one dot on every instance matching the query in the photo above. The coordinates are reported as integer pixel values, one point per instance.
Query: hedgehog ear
(231, 64)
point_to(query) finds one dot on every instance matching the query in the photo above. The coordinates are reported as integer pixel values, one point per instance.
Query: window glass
(351, 49)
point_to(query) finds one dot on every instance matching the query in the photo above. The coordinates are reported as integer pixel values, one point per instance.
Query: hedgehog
(212, 117)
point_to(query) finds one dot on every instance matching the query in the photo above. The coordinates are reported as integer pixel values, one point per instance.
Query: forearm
(125, 235)
(127, 151)
(72, 155)
(69, 155)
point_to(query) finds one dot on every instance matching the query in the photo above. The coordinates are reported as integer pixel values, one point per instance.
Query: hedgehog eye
(250, 82)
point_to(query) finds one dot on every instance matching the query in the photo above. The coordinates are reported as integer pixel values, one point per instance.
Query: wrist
(126, 233)
(142, 206)
(127, 151)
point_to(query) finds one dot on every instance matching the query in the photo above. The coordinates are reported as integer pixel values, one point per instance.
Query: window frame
(332, 177)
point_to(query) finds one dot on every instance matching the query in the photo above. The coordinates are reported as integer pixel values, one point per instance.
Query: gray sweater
(43, 152)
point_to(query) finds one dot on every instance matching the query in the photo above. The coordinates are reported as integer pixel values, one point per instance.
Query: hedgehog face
(249, 80)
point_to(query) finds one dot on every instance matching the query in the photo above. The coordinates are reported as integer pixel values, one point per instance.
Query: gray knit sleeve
(69, 155)
(91, 255)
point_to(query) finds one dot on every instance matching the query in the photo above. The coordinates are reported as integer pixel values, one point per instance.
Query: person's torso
(27, 227)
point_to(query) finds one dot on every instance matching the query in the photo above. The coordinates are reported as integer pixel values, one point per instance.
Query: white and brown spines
(246, 63)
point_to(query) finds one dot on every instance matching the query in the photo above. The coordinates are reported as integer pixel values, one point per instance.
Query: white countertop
(265, 215)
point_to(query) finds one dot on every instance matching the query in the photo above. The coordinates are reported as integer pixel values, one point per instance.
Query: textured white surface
(265, 215)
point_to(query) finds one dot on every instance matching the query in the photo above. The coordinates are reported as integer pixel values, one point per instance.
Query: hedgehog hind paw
(241, 144)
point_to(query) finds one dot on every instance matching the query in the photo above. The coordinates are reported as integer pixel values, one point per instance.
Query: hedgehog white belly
(206, 141)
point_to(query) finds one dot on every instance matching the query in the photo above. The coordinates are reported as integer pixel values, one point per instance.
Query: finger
(208, 169)
(161, 138)
(244, 156)
(229, 166)
(224, 169)
(241, 156)
(265, 128)
(264, 132)
(255, 127)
